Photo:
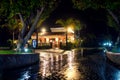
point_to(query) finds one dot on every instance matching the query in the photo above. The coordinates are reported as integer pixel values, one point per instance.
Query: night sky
(95, 20)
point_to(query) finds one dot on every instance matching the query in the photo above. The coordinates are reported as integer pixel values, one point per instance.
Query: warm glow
(70, 59)
(15, 41)
(73, 38)
(28, 41)
(43, 30)
(50, 40)
(72, 72)
(60, 40)
(44, 65)
(70, 30)
(47, 40)
(56, 39)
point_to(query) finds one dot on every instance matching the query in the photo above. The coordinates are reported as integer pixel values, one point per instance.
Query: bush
(44, 47)
(68, 47)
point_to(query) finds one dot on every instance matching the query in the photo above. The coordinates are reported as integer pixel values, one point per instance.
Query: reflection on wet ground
(73, 66)
(69, 65)
(25, 73)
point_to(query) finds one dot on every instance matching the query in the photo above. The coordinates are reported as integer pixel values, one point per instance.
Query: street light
(70, 30)
(43, 30)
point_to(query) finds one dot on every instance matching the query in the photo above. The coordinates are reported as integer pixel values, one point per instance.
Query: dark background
(94, 20)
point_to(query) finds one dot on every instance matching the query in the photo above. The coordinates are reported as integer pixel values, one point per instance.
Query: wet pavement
(73, 66)
(66, 65)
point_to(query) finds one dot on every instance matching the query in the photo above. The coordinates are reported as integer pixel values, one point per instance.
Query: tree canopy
(112, 11)
(106, 4)
(28, 9)
(112, 6)
(28, 13)
(70, 22)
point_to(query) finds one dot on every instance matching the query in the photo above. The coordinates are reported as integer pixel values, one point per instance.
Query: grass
(7, 52)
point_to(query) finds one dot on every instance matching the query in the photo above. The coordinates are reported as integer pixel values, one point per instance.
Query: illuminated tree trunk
(22, 39)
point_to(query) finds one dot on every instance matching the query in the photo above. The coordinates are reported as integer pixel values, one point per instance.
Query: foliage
(112, 23)
(112, 11)
(106, 4)
(26, 8)
(44, 47)
(28, 14)
(112, 5)
(70, 22)
(75, 25)
(70, 46)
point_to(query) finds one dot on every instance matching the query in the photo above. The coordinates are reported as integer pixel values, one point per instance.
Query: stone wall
(8, 61)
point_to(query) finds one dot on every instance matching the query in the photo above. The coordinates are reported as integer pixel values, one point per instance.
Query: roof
(60, 29)
(52, 33)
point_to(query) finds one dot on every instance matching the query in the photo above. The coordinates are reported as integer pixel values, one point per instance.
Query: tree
(111, 6)
(72, 23)
(30, 13)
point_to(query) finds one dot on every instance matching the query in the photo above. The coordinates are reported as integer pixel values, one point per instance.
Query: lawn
(7, 52)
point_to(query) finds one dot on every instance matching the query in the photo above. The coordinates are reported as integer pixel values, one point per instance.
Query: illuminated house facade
(55, 38)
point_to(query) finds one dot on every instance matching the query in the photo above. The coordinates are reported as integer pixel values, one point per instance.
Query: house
(55, 37)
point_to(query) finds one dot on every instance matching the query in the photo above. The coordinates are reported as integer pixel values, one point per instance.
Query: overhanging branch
(34, 24)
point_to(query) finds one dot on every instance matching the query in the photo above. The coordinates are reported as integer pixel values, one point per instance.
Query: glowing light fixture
(43, 30)
(26, 49)
(70, 30)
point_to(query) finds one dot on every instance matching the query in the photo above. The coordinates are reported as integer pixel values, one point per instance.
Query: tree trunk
(23, 40)
(21, 35)
(27, 37)
(118, 23)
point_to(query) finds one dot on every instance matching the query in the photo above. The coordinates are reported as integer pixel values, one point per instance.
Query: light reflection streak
(50, 62)
(25, 76)
(44, 68)
(72, 73)
(57, 63)
(44, 64)
(70, 59)
(61, 60)
(118, 75)
(57, 59)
